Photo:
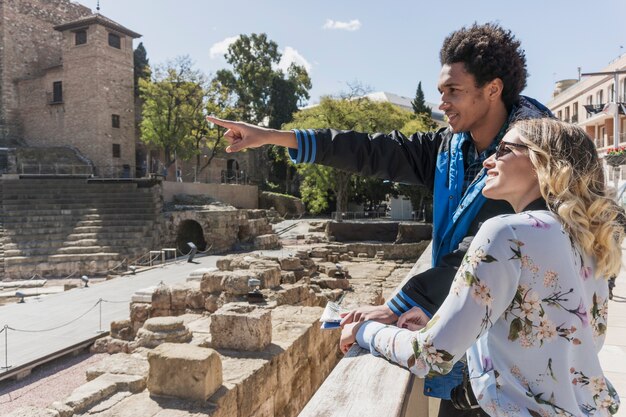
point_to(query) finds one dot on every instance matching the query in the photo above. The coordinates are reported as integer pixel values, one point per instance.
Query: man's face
(465, 104)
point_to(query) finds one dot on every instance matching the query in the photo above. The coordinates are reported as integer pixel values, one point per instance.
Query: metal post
(6, 348)
(100, 326)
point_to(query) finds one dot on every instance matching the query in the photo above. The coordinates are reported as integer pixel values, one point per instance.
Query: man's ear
(494, 89)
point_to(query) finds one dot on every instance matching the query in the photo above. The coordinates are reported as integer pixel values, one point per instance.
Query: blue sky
(385, 45)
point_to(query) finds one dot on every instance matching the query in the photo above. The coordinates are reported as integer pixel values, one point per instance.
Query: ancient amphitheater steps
(58, 227)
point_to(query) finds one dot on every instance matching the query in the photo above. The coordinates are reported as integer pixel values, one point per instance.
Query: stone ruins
(242, 339)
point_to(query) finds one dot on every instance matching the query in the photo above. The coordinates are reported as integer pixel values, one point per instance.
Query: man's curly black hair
(488, 52)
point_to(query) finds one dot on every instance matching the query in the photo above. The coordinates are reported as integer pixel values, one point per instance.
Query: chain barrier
(6, 327)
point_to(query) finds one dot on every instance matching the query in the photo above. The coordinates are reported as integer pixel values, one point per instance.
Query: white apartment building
(590, 102)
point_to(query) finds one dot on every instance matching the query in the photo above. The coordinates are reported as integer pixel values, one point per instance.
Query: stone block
(119, 363)
(139, 313)
(162, 298)
(236, 282)
(158, 330)
(269, 277)
(241, 326)
(195, 299)
(212, 281)
(290, 264)
(122, 329)
(223, 264)
(287, 277)
(297, 294)
(301, 274)
(332, 283)
(319, 253)
(94, 391)
(212, 302)
(179, 295)
(184, 371)
(269, 241)
(30, 411)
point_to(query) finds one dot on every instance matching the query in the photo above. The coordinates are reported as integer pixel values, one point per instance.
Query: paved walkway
(613, 354)
(51, 324)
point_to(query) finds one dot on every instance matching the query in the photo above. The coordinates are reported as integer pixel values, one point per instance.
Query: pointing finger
(221, 122)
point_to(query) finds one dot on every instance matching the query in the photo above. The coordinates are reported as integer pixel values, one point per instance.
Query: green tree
(173, 108)
(262, 93)
(419, 103)
(141, 66)
(321, 183)
(259, 88)
(209, 137)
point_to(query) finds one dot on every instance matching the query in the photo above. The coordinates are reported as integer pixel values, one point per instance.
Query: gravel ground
(47, 383)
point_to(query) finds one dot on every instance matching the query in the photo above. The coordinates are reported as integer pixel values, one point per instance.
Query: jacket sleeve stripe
(406, 299)
(296, 154)
(307, 146)
(394, 307)
(313, 145)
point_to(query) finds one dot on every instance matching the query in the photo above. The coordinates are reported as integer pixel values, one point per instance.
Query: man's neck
(485, 133)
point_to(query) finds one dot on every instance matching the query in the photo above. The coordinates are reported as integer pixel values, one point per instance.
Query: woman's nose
(490, 162)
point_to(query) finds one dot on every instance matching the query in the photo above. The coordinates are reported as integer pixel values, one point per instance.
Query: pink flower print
(581, 313)
(585, 272)
(537, 223)
(487, 364)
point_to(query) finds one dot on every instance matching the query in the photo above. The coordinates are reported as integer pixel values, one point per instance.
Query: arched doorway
(190, 231)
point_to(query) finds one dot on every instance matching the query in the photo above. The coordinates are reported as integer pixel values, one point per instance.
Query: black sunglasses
(505, 148)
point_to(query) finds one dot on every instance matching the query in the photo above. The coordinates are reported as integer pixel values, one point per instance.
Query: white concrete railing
(362, 385)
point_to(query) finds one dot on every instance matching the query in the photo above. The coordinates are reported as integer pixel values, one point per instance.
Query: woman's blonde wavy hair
(571, 180)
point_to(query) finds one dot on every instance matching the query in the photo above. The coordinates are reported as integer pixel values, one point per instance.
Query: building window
(80, 37)
(567, 114)
(57, 92)
(623, 92)
(559, 115)
(115, 41)
(589, 99)
(575, 112)
(611, 93)
(599, 97)
(117, 150)
(115, 120)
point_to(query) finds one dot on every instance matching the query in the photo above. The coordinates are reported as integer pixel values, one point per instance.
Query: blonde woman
(529, 302)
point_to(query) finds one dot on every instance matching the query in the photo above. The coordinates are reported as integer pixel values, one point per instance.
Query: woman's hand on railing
(414, 319)
(348, 336)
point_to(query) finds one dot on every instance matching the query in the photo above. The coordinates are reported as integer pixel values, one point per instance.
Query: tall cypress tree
(141, 65)
(419, 104)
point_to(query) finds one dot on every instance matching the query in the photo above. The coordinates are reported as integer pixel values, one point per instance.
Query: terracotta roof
(97, 18)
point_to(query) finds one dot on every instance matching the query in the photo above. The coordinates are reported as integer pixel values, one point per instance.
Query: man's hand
(348, 336)
(414, 319)
(242, 135)
(381, 314)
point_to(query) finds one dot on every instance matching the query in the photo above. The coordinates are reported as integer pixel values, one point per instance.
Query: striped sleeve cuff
(366, 334)
(402, 303)
(307, 147)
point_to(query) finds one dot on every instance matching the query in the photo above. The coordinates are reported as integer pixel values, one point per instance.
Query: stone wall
(97, 82)
(240, 196)
(283, 204)
(29, 45)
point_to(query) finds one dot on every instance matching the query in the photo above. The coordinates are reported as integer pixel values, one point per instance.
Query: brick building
(66, 80)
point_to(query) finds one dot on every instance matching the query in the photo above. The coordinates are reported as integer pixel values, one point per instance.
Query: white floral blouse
(531, 313)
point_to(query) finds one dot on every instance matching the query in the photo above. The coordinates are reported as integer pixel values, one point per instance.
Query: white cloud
(351, 26)
(221, 47)
(291, 55)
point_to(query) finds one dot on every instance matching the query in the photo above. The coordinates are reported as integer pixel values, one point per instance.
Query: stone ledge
(91, 393)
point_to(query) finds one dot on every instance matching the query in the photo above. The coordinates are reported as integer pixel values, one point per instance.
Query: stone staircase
(58, 227)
